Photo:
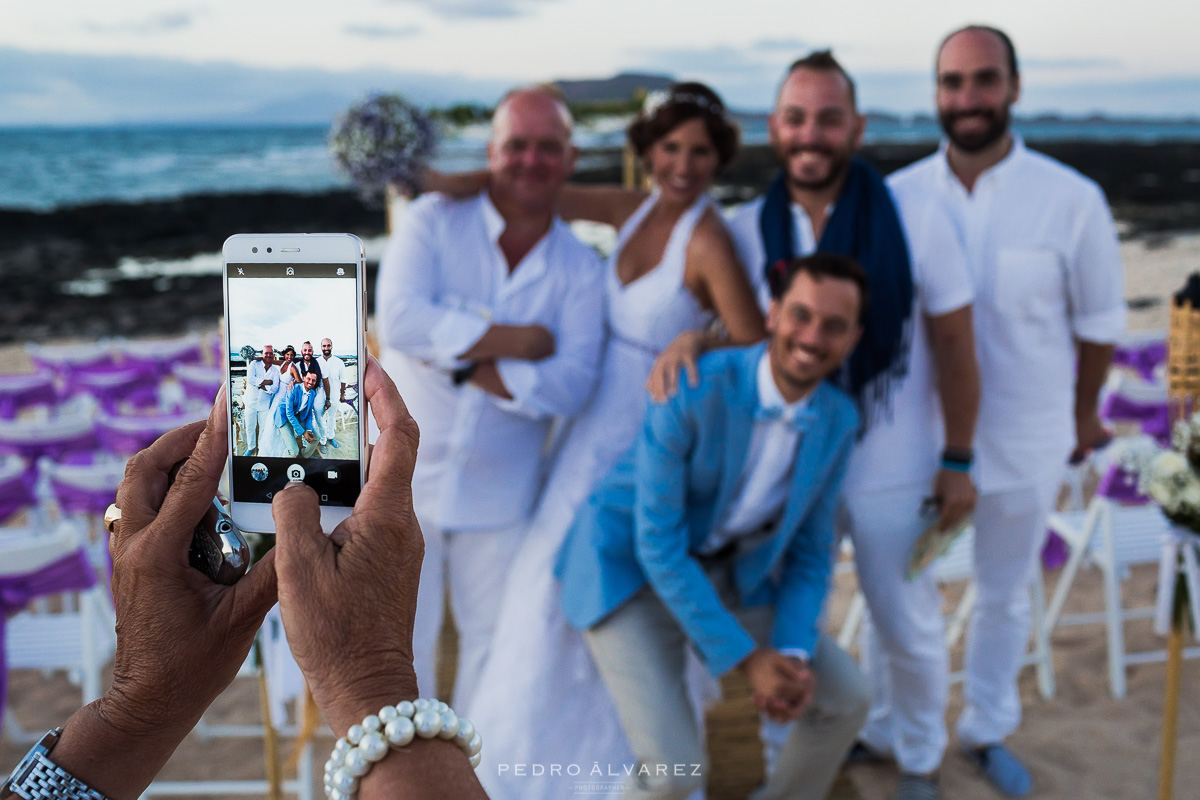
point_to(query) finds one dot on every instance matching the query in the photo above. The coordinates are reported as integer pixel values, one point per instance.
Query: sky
(82, 62)
(271, 311)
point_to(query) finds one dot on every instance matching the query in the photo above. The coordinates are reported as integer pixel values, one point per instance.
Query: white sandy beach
(1081, 744)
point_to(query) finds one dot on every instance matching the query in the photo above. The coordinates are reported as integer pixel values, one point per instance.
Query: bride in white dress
(549, 722)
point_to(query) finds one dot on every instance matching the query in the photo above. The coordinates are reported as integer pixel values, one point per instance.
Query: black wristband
(958, 455)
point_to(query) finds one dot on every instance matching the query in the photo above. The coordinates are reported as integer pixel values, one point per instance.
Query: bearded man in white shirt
(334, 371)
(1049, 303)
(497, 313)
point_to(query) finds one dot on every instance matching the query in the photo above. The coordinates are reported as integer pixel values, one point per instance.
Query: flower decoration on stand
(383, 140)
(1171, 478)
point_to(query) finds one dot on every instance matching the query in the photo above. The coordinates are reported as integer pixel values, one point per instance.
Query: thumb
(298, 535)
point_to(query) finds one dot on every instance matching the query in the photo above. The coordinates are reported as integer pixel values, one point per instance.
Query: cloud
(1072, 63)
(42, 88)
(477, 9)
(745, 77)
(382, 31)
(792, 45)
(159, 23)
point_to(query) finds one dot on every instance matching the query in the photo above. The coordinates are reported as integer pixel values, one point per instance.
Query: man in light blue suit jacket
(294, 418)
(717, 531)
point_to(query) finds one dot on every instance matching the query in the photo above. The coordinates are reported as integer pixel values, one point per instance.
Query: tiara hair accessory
(657, 99)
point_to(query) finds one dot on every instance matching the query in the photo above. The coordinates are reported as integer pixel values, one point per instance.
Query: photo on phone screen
(294, 379)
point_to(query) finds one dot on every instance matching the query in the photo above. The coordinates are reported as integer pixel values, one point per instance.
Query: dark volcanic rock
(1154, 188)
(39, 251)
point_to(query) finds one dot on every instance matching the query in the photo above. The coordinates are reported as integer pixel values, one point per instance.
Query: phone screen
(294, 373)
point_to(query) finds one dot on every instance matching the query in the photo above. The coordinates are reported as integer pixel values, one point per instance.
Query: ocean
(47, 168)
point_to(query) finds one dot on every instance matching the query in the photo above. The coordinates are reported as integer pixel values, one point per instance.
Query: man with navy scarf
(717, 532)
(914, 367)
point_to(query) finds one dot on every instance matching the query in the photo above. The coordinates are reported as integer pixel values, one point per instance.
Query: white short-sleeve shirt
(334, 369)
(903, 443)
(1044, 258)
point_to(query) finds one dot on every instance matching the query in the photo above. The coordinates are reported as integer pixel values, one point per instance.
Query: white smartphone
(295, 320)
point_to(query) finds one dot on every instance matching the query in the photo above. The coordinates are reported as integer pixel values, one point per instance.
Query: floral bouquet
(383, 140)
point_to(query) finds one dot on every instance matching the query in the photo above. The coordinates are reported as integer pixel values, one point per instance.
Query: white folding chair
(82, 492)
(283, 690)
(957, 564)
(80, 638)
(1112, 537)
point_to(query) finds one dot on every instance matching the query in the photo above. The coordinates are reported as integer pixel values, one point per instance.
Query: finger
(388, 490)
(654, 385)
(195, 485)
(693, 370)
(299, 539)
(796, 671)
(140, 495)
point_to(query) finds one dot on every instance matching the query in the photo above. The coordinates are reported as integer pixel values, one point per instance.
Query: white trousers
(904, 651)
(904, 647)
(1010, 528)
(474, 565)
(318, 422)
(260, 424)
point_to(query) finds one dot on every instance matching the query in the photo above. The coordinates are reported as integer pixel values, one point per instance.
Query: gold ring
(112, 515)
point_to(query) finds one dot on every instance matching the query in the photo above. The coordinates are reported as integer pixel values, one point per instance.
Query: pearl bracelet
(394, 727)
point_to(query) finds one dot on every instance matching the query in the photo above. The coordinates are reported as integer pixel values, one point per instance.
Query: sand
(1080, 744)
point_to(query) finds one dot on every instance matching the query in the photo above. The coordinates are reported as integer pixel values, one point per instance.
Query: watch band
(39, 778)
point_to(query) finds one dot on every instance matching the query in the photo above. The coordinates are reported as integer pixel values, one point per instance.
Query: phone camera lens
(253, 249)
(268, 249)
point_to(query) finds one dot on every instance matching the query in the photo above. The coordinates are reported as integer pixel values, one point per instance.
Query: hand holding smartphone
(295, 320)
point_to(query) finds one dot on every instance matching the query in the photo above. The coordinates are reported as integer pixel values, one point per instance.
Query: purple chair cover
(126, 435)
(54, 439)
(62, 360)
(17, 481)
(1117, 484)
(18, 391)
(1055, 551)
(1154, 418)
(200, 383)
(216, 347)
(1143, 358)
(1121, 486)
(75, 499)
(71, 573)
(16, 493)
(159, 357)
(110, 385)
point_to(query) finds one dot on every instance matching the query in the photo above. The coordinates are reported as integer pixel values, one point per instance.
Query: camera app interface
(294, 370)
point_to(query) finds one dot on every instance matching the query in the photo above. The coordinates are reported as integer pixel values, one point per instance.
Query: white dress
(540, 700)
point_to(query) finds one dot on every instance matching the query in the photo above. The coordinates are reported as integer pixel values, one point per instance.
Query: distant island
(588, 98)
(623, 94)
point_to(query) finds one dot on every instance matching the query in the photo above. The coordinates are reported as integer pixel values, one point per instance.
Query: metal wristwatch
(39, 778)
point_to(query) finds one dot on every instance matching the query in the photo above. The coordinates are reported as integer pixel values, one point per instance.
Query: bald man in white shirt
(1049, 303)
(496, 313)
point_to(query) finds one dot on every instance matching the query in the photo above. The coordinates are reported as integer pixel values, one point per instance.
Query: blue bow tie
(800, 420)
